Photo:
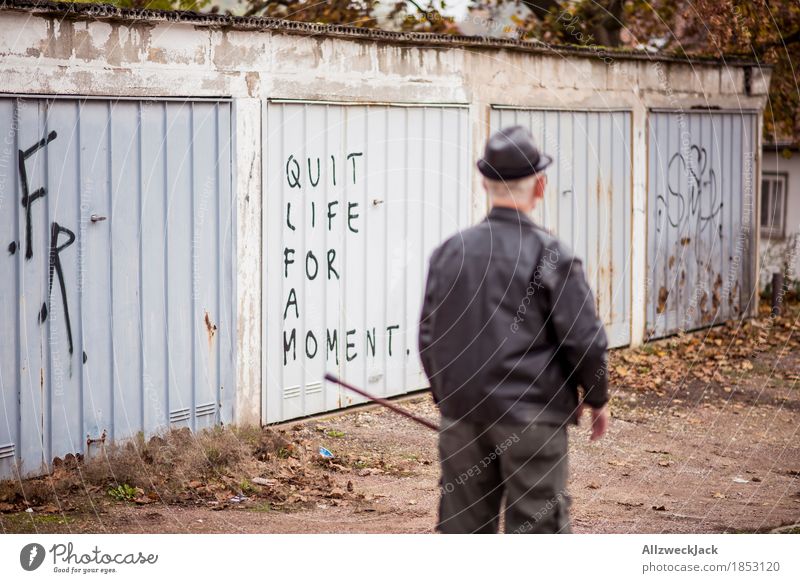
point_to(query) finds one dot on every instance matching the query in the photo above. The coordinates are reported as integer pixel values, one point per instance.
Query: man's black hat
(510, 154)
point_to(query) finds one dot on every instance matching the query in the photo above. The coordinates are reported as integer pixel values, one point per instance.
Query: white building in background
(780, 213)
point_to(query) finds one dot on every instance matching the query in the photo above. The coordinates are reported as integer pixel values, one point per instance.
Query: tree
(195, 5)
(401, 15)
(766, 31)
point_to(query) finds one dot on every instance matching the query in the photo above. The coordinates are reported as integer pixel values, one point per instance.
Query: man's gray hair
(509, 188)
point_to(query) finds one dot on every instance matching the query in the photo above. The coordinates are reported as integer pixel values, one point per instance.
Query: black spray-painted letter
(29, 197)
(55, 266)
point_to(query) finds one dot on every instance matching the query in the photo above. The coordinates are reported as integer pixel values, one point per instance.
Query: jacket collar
(509, 214)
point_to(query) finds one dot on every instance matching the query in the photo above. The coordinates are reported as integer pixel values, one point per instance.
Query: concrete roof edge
(108, 12)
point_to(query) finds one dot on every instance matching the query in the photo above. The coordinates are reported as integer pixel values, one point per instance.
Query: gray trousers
(521, 467)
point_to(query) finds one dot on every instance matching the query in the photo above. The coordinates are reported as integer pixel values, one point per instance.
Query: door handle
(96, 218)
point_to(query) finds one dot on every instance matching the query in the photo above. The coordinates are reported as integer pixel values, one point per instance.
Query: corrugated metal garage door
(700, 218)
(588, 200)
(356, 198)
(116, 295)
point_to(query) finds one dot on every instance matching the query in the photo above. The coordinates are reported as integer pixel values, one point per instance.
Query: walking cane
(380, 401)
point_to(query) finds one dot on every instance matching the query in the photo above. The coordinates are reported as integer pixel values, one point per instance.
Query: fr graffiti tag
(60, 236)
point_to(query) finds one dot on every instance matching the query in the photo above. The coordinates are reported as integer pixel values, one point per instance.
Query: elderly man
(508, 333)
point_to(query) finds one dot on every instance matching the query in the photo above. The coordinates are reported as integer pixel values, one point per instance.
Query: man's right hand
(599, 421)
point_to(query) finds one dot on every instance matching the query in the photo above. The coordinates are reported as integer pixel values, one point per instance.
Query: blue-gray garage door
(116, 294)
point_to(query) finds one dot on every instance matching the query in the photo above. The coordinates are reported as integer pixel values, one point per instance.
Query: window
(773, 204)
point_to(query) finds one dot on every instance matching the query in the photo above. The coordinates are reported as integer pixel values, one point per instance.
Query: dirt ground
(703, 439)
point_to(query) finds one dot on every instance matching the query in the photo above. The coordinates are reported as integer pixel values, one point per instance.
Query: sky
(456, 8)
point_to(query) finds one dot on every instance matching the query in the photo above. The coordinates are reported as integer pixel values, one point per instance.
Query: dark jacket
(508, 329)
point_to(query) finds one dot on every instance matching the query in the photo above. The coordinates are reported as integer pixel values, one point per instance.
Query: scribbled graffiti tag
(690, 182)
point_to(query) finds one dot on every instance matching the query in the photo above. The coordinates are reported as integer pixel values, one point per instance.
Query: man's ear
(539, 186)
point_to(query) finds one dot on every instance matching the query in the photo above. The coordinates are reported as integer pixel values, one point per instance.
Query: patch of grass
(761, 366)
(335, 433)
(247, 487)
(263, 443)
(51, 518)
(9, 490)
(219, 451)
(123, 493)
(23, 522)
(788, 529)
(252, 435)
(33, 492)
(265, 507)
(176, 467)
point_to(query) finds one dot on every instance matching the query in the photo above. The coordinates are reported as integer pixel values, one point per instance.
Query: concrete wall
(775, 250)
(43, 53)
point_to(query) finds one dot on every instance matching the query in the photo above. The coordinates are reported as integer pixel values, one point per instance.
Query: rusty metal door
(700, 226)
(356, 198)
(588, 198)
(116, 293)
